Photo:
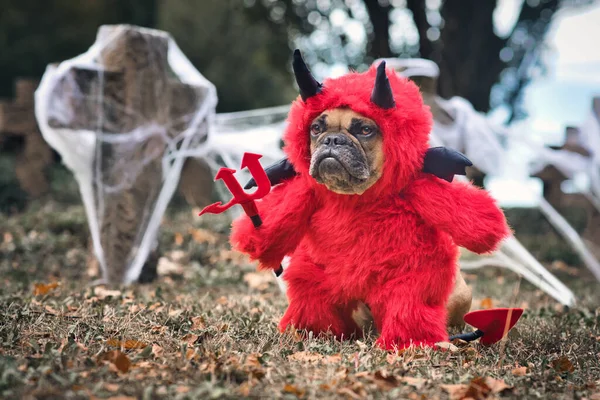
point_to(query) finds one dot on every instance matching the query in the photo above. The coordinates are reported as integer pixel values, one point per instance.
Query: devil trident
(250, 161)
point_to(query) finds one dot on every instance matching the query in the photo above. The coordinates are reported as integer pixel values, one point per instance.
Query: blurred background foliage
(244, 46)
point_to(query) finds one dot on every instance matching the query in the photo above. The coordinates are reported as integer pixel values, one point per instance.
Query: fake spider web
(119, 115)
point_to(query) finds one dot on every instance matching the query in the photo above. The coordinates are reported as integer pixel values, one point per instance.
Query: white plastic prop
(120, 115)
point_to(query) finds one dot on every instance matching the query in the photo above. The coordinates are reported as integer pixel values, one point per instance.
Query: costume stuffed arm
(467, 213)
(286, 213)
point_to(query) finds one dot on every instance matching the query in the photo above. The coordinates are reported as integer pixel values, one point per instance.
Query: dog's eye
(366, 130)
(315, 129)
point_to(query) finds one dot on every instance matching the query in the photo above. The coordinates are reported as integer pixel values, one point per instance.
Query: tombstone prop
(17, 118)
(122, 115)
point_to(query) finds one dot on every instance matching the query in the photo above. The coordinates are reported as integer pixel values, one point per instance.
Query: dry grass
(208, 329)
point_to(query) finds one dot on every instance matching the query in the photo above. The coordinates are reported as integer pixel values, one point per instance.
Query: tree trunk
(469, 64)
(379, 43)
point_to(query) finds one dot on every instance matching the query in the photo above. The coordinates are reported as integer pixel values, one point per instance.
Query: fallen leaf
(478, 389)
(417, 383)
(182, 389)
(447, 346)
(203, 236)
(121, 398)
(126, 344)
(167, 267)
(198, 323)
(102, 293)
(159, 329)
(118, 359)
(157, 350)
(519, 371)
(40, 289)
(244, 389)
(496, 385)
(562, 364)
(111, 387)
(486, 303)
(190, 339)
(305, 356)
(385, 379)
(333, 359)
(294, 390)
(50, 310)
(178, 239)
(175, 313)
(455, 392)
(258, 280)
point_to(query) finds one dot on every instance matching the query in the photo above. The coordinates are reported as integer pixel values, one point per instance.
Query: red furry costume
(394, 247)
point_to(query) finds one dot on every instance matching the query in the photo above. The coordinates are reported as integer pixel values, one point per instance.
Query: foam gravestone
(121, 115)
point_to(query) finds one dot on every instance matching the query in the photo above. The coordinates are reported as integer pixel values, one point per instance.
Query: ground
(207, 328)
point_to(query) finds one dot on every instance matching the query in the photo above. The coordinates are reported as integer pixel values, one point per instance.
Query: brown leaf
(415, 382)
(496, 385)
(447, 346)
(182, 389)
(157, 350)
(126, 344)
(175, 313)
(294, 390)
(383, 378)
(159, 329)
(245, 388)
(178, 239)
(305, 356)
(333, 359)
(478, 389)
(51, 311)
(456, 392)
(118, 359)
(102, 293)
(562, 364)
(121, 398)
(40, 289)
(258, 280)
(519, 371)
(190, 339)
(111, 387)
(198, 323)
(203, 236)
(487, 303)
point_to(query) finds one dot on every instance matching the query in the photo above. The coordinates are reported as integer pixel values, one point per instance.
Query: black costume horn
(382, 92)
(307, 84)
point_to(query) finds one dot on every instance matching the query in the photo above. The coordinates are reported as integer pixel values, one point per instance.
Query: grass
(207, 328)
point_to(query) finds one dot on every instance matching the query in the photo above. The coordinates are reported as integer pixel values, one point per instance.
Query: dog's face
(346, 151)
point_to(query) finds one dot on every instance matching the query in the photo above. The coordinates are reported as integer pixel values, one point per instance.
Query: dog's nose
(338, 139)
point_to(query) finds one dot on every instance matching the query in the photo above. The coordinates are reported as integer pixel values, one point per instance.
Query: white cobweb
(119, 115)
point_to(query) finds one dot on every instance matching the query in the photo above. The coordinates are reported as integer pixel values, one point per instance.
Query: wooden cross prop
(17, 118)
(553, 179)
(129, 90)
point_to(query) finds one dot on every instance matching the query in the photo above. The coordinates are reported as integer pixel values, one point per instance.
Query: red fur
(393, 247)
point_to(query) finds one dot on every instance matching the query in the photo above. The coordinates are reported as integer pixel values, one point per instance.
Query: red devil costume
(394, 247)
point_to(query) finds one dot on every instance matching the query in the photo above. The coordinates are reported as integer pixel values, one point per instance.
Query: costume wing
(445, 163)
(439, 161)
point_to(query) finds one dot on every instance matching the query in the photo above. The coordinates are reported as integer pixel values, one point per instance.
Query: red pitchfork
(250, 161)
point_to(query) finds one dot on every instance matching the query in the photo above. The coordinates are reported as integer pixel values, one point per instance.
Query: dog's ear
(277, 173)
(445, 163)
